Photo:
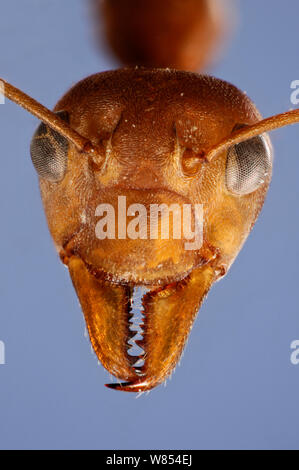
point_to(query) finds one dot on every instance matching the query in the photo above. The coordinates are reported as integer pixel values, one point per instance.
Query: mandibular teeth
(136, 324)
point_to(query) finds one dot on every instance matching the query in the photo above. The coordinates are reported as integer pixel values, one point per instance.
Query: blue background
(236, 387)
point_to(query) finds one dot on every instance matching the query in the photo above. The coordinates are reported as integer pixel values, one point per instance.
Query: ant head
(152, 136)
(153, 132)
(156, 132)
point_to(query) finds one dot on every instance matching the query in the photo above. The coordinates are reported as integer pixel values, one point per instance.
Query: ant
(150, 136)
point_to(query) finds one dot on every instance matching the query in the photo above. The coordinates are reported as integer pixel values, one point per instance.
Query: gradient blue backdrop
(236, 387)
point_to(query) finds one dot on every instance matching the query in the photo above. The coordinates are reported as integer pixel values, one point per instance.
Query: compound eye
(248, 165)
(49, 151)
